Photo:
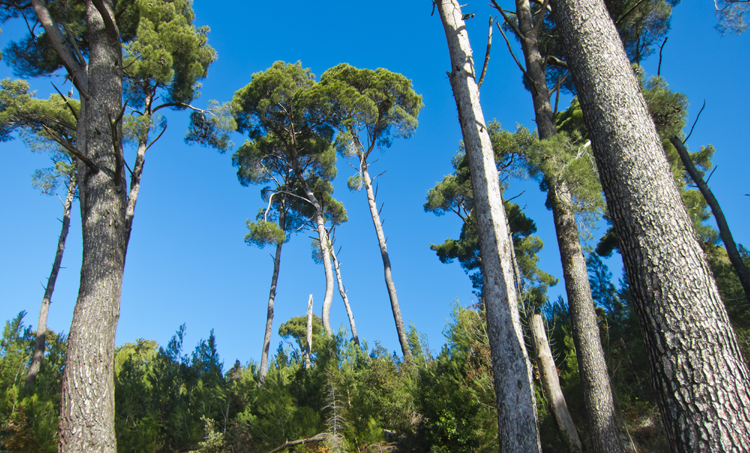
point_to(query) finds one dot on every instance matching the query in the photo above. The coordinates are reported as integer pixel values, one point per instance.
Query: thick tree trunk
(308, 331)
(721, 221)
(41, 329)
(551, 384)
(516, 408)
(597, 394)
(405, 349)
(342, 291)
(87, 406)
(269, 314)
(696, 366)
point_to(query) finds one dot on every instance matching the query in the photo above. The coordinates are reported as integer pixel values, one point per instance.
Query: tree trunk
(269, 314)
(309, 331)
(342, 291)
(135, 177)
(516, 408)
(87, 406)
(551, 384)
(405, 349)
(41, 329)
(696, 366)
(721, 221)
(597, 393)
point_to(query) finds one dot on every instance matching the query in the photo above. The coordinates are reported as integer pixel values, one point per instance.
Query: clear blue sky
(187, 262)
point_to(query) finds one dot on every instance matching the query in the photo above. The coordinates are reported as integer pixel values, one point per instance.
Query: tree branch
(510, 49)
(66, 102)
(695, 122)
(540, 18)
(556, 61)
(109, 22)
(317, 438)
(658, 69)
(94, 168)
(628, 12)
(486, 55)
(511, 24)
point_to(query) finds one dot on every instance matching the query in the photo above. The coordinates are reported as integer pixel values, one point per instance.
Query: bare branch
(511, 24)
(695, 122)
(510, 49)
(157, 138)
(619, 21)
(540, 18)
(486, 55)
(94, 168)
(66, 102)
(556, 61)
(658, 69)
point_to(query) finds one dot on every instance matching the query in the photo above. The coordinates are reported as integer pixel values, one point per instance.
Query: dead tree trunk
(271, 298)
(516, 408)
(344, 297)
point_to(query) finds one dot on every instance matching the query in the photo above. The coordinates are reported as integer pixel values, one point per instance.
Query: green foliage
(264, 233)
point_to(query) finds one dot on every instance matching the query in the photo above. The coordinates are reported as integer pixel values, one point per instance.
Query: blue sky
(187, 262)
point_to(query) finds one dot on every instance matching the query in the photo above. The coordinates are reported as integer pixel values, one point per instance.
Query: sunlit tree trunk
(696, 365)
(516, 407)
(309, 331)
(271, 298)
(41, 329)
(344, 297)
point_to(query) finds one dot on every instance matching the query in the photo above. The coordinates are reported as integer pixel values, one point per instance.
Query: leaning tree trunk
(135, 177)
(271, 297)
(405, 349)
(696, 366)
(516, 407)
(551, 383)
(41, 329)
(721, 221)
(342, 291)
(308, 331)
(597, 393)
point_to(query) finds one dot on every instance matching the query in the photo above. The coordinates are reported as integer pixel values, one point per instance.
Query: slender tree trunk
(551, 384)
(516, 408)
(309, 331)
(41, 329)
(87, 406)
(592, 367)
(721, 221)
(405, 349)
(697, 370)
(135, 178)
(269, 314)
(342, 291)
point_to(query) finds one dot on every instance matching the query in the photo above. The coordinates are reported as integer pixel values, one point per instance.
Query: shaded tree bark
(597, 393)
(402, 339)
(516, 407)
(344, 297)
(721, 221)
(696, 366)
(40, 344)
(551, 383)
(271, 297)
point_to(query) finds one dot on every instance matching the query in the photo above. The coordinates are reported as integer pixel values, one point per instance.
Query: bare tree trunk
(551, 384)
(309, 331)
(405, 349)
(516, 408)
(135, 177)
(697, 370)
(342, 291)
(721, 221)
(269, 314)
(87, 406)
(41, 329)
(597, 393)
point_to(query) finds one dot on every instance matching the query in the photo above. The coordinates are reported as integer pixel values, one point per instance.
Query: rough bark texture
(721, 221)
(269, 314)
(41, 328)
(516, 408)
(309, 331)
(597, 394)
(551, 384)
(87, 406)
(696, 366)
(405, 349)
(344, 297)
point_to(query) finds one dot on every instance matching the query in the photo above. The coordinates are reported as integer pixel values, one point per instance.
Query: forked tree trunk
(87, 405)
(344, 297)
(551, 384)
(721, 221)
(135, 177)
(597, 393)
(402, 339)
(697, 370)
(516, 408)
(308, 331)
(41, 329)
(271, 298)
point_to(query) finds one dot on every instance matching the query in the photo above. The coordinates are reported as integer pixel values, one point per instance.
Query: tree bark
(271, 297)
(696, 366)
(597, 393)
(41, 329)
(516, 408)
(135, 177)
(721, 221)
(87, 406)
(342, 291)
(405, 349)
(551, 384)
(309, 331)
